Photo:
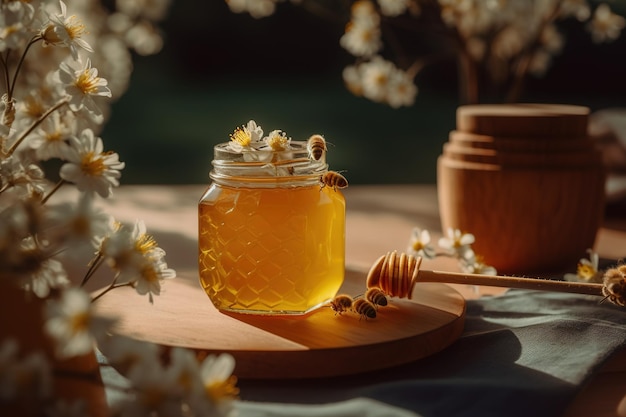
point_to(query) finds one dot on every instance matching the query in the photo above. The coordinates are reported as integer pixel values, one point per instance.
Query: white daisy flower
(401, 90)
(393, 8)
(137, 259)
(81, 83)
(277, 140)
(246, 138)
(219, 386)
(149, 276)
(76, 225)
(587, 270)
(155, 393)
(49, 141)
(456, 243)
(20, 178)
(376, 75)
(67, 31)
(352, 78)
(474, 264)
(605, 26)
(72, 323)
(185, 369)
(362, 37)
(420, 245)
(15, 19)
(126, 248)
(576, 8)
(40, 273)
(256, 8)
(89, 167)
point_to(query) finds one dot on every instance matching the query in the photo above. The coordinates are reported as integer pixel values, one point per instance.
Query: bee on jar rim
(341, 303)
(316, 145)
(376, 296)
(334, 180)
(364, 308)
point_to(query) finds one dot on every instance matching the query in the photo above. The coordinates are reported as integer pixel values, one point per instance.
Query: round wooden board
(319, 344)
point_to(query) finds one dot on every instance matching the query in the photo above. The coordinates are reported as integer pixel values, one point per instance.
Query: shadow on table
(523, 353)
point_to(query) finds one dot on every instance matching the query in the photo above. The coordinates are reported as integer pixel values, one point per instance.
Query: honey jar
(271, 236)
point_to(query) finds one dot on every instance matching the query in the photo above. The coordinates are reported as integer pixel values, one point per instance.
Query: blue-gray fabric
(525, 353)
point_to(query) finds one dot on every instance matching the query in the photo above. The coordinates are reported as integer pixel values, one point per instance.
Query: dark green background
(219, 69)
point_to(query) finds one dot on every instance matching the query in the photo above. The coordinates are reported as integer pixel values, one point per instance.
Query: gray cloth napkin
(523, 353)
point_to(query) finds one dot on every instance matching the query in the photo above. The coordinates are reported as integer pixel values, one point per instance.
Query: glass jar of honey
(271, 237)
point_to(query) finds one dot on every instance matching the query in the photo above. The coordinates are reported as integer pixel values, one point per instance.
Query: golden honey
(268, 243)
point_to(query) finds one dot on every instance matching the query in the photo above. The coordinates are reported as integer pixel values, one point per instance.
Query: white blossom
(605, 26)
(81, 84)
(72, 323)
(89, 167)
(67, 31)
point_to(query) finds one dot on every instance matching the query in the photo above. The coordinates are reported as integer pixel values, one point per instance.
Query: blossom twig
(36, 123)
(111, 287)
(57, 186)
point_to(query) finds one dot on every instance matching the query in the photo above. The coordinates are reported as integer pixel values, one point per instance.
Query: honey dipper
(396, 275)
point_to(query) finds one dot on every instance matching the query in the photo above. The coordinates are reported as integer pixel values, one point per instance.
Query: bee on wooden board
(334, 180)
(376, 296)
(316, 145)
(341, 303)
(364, 308)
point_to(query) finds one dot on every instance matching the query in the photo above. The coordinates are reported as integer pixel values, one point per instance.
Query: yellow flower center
(54, 137)
(92, 166)
(145, 243)
(80, 322)
(417, 246)
(86, 83)
(149, 274)
(75, 28)
(585, 271)
(220, 390)
(241, 137)
(277, 143)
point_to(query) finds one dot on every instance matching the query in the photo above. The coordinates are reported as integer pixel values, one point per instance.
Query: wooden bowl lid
(523, 120)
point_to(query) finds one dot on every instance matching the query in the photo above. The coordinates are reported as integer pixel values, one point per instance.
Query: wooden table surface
(379, 219)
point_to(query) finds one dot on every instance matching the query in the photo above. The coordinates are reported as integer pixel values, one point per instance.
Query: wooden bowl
(527, 181)
(524, 220)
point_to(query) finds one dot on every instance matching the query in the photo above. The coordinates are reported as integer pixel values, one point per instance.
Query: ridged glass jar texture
(271, 239)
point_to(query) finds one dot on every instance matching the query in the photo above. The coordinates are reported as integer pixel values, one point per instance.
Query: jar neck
(264, 168)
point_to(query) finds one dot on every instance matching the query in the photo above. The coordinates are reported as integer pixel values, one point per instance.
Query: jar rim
(263, 167)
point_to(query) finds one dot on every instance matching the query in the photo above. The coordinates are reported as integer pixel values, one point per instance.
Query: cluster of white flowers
(54, 104)
(455, 244)
(249, 138)
(507, 40)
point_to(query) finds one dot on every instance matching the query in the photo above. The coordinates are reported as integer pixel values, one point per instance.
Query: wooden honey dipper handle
(510, 282)
(396, 274)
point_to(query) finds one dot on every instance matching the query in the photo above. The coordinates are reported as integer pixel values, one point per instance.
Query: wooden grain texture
(524, 221)
(527, 181)
(521, 144)
(319, 344)
(571, 159)
(523, 120)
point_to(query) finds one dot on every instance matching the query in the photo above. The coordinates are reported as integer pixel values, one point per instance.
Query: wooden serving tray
(319, 344)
